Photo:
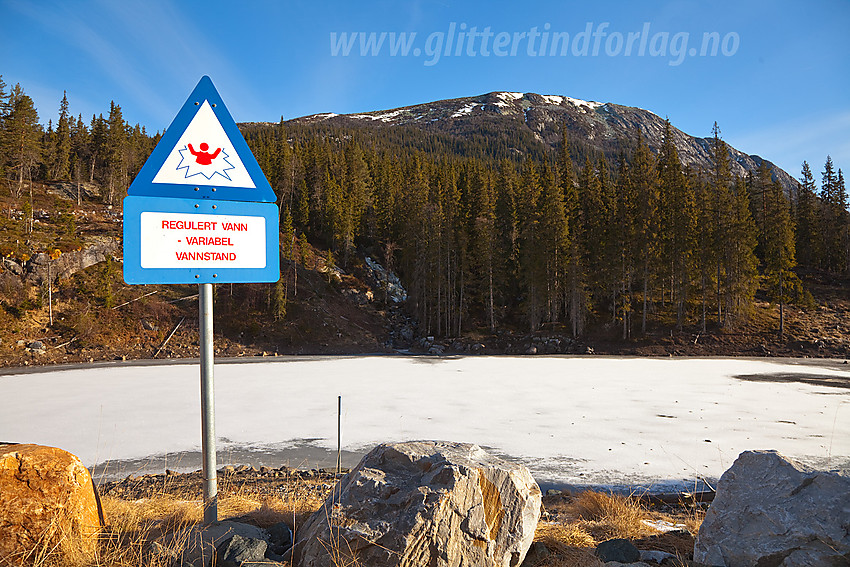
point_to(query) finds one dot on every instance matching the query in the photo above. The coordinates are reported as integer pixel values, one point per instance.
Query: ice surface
(571, 420)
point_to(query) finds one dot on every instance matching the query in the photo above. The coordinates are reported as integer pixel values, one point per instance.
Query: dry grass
(132, 526)
(558, 536)
(607, 516)
(591, 517)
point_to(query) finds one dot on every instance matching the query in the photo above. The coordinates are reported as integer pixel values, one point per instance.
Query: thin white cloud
(135, 46)
(104, 53)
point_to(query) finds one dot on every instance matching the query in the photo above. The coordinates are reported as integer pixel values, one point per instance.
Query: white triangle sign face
(204, 155)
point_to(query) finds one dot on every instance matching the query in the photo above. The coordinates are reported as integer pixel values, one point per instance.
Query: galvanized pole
(205, 308)
(339, 436)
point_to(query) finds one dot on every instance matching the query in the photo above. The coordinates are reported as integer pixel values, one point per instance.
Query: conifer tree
(834, 207)
(507, 235)
(843, 224)
(21, 137)
(116, 147)
(279, 300)
(783, 285)
(644, 179)
(98, 146)
(735, 239)
(677, 217)
(48, 152)
(62, 151)
(554, 241)
(807, 235)
(607, 229)
(705, 251)
(357, 196)
(760, 187)
(625, 240)
(740, 265)
(5, 105)
(532, 264)
(80, 148)
(593, 213)
(575, 292)
(287, 235)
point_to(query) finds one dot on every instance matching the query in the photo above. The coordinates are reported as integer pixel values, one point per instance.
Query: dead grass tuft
(560, 537)
(607, 516)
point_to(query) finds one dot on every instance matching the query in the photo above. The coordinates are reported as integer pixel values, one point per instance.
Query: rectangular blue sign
(183, 241)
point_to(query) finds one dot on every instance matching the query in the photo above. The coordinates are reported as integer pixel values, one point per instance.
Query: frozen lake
(653, 423)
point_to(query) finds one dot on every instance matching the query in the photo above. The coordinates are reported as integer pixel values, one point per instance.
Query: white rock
(425, 503)
(769, 510)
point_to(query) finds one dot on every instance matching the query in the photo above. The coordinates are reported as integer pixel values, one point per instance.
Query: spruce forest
(487, 234)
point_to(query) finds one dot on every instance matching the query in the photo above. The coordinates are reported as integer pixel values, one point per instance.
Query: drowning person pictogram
(203, 157)
(204, 163)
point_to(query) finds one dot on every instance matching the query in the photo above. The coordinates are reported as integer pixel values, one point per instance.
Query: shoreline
(833, 363)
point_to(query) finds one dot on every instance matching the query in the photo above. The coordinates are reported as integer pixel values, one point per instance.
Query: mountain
(521, 120)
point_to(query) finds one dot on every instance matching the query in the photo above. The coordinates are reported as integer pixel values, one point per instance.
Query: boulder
(280, 539)
(36, 347)
(771, 511)
(46, 497)
(620, 550)
(237, 550)
(200, 543)
(425, 503)
(71, 262)
(536, 554)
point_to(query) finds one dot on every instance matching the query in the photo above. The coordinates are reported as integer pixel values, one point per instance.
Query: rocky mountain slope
(607, 127)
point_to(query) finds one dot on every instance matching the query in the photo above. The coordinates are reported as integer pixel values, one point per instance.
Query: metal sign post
(202, 211)
(205, 308)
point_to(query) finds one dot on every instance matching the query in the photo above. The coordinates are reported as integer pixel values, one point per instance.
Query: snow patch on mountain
(508, 98)
(559, 100)
(465, 110)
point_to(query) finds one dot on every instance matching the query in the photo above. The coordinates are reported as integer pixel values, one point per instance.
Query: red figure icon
(203, 157)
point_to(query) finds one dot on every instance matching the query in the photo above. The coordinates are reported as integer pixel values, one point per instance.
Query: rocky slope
(607, 127)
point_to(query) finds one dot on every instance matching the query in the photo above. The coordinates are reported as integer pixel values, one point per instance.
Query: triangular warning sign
(202, 155)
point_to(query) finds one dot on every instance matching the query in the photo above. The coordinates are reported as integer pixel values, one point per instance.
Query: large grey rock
(620, 550)
(280, 538)
(71, 262)
(770, 511)
(425, 503)
(237, 550)
(201, 542)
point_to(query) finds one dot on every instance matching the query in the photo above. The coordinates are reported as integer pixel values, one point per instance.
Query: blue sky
(778, 84)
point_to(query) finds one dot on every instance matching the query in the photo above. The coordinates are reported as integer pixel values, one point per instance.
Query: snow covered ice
(655, 423)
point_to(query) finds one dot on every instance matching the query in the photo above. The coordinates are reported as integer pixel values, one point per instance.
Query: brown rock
(47, 502)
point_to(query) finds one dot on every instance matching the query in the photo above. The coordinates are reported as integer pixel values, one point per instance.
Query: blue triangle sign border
(143, 185)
